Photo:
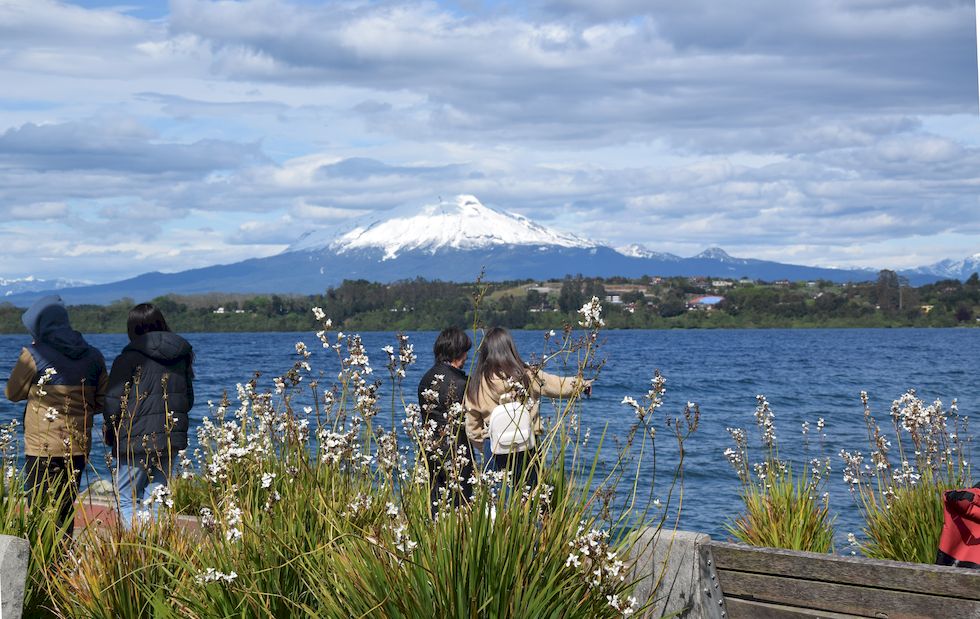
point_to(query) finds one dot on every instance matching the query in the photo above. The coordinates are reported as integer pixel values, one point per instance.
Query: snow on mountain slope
(31, 284)
(719, 254)
(463, 223)
(636, 250)
(952, 269)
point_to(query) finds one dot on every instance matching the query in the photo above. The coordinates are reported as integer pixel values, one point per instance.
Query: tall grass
(311, 504)
(899, 490)
(782, 509)
(39, 525)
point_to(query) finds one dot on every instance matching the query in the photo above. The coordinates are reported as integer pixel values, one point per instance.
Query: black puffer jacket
(440, 388)
(140, 424)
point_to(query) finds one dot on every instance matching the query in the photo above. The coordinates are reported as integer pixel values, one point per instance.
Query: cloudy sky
(139, 136)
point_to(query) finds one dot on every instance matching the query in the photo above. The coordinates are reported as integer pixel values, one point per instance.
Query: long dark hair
(145, 318)
(497, 358)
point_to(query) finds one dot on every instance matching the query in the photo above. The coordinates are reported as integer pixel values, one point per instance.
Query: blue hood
(47, 322)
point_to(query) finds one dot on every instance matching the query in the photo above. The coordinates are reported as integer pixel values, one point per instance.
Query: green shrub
(319, 510)
(899, 490)
(781, 509)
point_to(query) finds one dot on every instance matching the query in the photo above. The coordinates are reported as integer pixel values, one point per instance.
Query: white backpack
(510, 427)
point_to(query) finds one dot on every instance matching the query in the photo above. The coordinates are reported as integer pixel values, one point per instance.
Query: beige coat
(495, 390)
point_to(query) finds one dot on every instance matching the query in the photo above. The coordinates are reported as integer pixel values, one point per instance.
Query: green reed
(321, 510)
(899, 488)
(782, 508)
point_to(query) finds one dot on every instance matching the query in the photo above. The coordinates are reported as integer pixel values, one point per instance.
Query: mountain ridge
(437, 241)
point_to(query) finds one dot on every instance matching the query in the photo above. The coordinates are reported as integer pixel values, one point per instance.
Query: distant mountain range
(9, 287)
(948, 269)
(450, 241)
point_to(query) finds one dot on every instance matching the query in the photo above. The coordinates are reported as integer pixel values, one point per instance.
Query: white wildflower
(213, 575)
(592, 314)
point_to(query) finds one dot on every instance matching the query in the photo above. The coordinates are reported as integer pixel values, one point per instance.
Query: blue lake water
(806, 375)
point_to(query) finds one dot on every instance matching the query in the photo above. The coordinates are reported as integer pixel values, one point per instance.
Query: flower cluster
(337, 447)
(356, 366)
(935, 454)
(160, 495)
(592, 557)
(406, 356)
(212, 575)
(591, 314)
(626, 607)
(764, 419)
(232, 521)
(44, 379)
(9, 443)
(651, 401)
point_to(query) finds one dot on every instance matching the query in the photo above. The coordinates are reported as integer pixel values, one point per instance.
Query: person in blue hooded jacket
(151, 391)
(64, 381)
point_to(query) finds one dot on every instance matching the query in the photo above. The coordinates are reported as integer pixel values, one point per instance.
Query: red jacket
(959, 543)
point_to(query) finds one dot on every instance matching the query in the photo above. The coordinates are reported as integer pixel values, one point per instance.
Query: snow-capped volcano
(463, 223)
(454, 241)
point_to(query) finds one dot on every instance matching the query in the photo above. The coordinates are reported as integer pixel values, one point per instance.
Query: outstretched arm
(558, 386)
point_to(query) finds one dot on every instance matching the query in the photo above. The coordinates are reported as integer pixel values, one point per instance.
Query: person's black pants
(57, 478)
(442, 469)
(517, 463)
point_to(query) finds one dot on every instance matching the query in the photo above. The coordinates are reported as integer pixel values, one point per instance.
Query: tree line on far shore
(639, 303)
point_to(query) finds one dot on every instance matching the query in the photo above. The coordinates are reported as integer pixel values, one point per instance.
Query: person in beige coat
(63, 380)
(501, 376)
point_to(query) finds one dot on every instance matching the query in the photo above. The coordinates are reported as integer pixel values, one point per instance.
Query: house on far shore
(704, 302)
(543, 289)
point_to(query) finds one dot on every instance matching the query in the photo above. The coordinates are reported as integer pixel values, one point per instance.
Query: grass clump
(899, 490)
(782, 508)
(310, 503)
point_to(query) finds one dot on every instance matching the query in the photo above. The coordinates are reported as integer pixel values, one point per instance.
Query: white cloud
(221, 128)
(37, 211)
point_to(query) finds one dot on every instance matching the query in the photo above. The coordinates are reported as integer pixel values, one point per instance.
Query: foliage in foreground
(310, 506)
(38, 525)
(783, 509)
(899, 491)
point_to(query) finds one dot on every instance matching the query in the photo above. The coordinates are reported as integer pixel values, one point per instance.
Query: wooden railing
(769, 583)
(697, 578)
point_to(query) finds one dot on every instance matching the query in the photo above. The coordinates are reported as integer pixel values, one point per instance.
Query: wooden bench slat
(842, 598)
(931, 580)
(751, 609)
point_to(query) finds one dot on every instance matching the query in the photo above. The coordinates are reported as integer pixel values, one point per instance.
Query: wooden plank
(938, 580)
(751, 609)
(840, 598)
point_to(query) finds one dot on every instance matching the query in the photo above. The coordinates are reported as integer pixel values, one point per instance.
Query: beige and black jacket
(62, 378)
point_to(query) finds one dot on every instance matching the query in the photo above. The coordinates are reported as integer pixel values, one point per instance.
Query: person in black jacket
(441, 391)
(150, 394)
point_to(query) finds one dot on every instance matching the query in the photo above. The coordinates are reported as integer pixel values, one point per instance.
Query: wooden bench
(766, 583)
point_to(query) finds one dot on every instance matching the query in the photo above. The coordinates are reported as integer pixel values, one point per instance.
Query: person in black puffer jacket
(150, 394)
(441, 390)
